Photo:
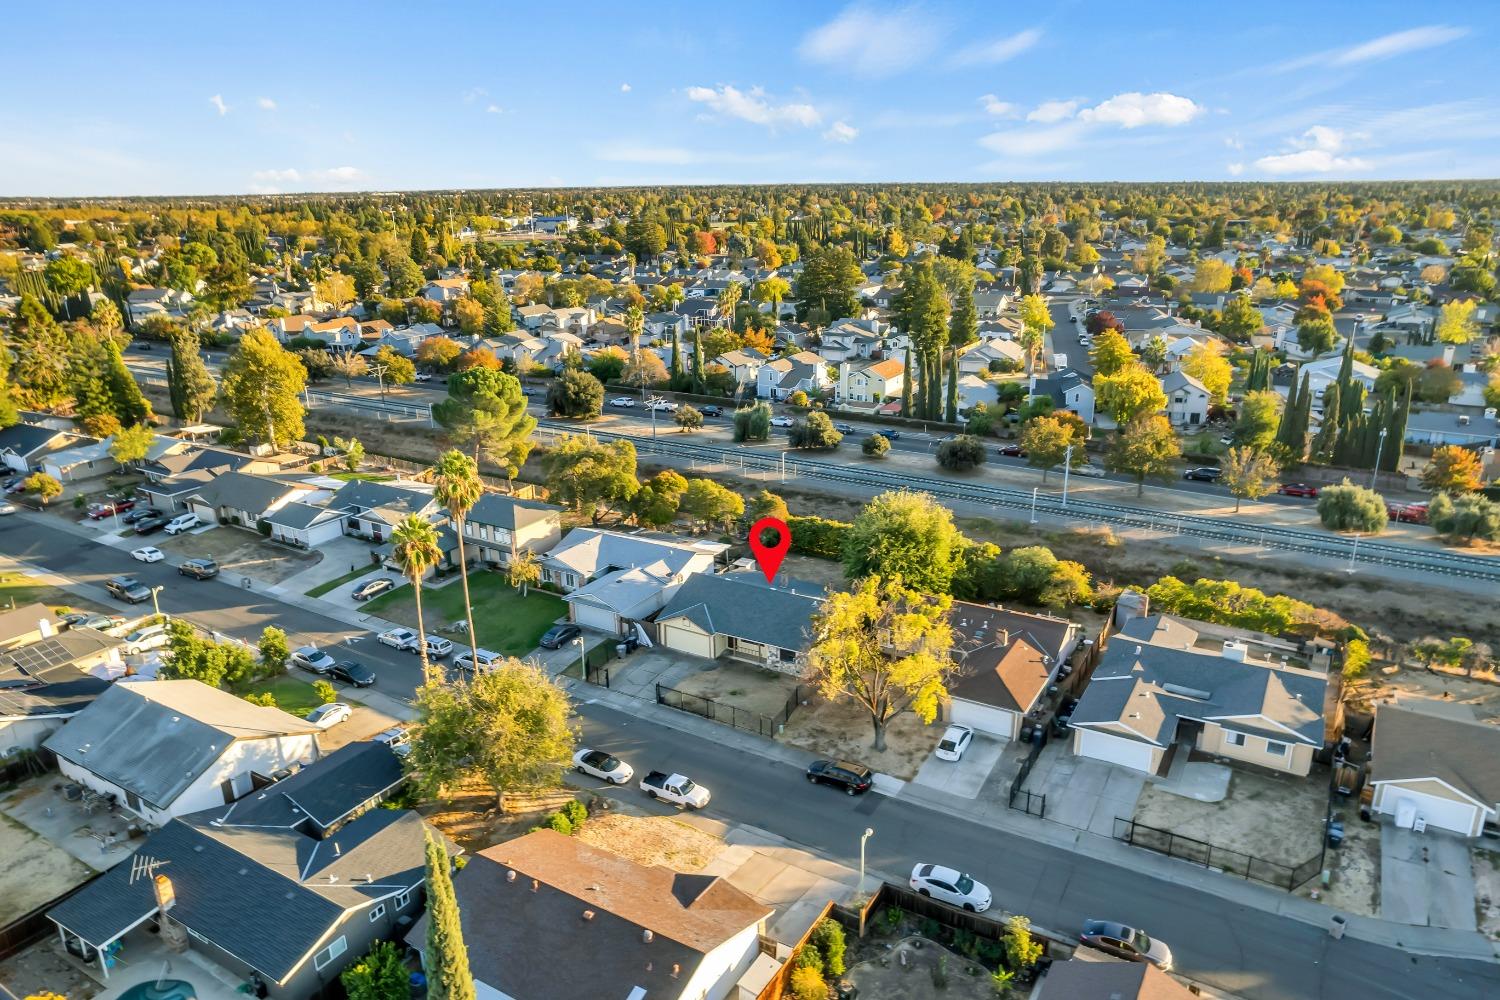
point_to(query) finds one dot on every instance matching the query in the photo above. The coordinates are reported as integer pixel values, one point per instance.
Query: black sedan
(373, 588)
(1204, 474)
(147, 525)
(712, 411)
(353, 673)
(557, 635)
(854, 779)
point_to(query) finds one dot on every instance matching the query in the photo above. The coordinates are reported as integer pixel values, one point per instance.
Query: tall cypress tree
(1326, 442)
(1286, 430)
(698, 382)
(1395, 440)
(126, 401)
(446, 959)
(906, 380)
(951, 414)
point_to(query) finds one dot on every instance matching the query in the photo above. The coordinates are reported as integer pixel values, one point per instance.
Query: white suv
(182, 522)
(486, 660)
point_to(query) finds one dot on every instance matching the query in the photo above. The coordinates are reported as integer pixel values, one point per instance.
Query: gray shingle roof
(364, 494)
(501, 511)
(325, 792)
(154, 738)
(297, 515)
(743, 605)
(243, 492)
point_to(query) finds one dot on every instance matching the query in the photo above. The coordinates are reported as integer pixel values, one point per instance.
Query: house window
(1234, 739)
(333, 951)
(402, 899)
(377, 913)
(1276, 748)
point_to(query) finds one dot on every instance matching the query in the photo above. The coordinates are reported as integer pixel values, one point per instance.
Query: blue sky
(167, 98)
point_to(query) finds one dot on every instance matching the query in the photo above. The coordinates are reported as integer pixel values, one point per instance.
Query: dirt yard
(1355, 868)
(753, 689)
(32, 870)
(239, 552)
(842, 730)
(888, 978)
(1277, 819)
(651, 840)
(42, 969)
(1483, 696)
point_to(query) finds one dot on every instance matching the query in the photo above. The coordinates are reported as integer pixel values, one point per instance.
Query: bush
(1348, 507)
(818, 536)
(1022, 950)
(961, 453)
(816, 431)
(560, 823)
(1225, 602)
(828, 936)
(752, 423)
(798, 398)
(808, 984)
(273, 649)
(264, 699)
(1356, 658)
(876, 445)
(576, 812)
(325, 692)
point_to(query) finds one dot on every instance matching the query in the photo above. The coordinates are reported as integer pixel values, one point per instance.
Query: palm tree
(414, 544)
(456, 478)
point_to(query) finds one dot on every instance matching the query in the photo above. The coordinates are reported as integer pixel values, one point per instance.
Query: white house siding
(1440, 811)
(1115, 750)
(593, 616)
(721, 968)
(985, 718)
(310, 537)
(28, 734)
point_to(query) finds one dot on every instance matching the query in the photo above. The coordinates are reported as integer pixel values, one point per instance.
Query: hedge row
(818, 536)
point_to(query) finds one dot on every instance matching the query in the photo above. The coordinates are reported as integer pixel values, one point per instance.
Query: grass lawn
(374, 477)
(293, 695)
(505, 621)
(17, 589)
(338, 582)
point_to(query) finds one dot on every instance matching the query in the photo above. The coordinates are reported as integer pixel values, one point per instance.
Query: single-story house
(243, 499)
(273, 907)
(1107, 979)
(1432, 763)
(548, 917)
(168, 748)
(1146, 698)
(304, 525)
(586, 554)
(81, 461)
(500, 527)
(372, 510)
(1187, 399)
(741, 616)
(1466, 430)
(1323, 373)
(23, 447)
(49, 680)
(1008, 658)
(1068, 390)
(26, 624)
(321, 799)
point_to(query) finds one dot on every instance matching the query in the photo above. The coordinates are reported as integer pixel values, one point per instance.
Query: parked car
(662, 405)
(782, 421)
(955, 741)
(1406, 513)
(711, 410)
(557, 635)
(675, 788)
(846, 429)
(74, 619)
(128, 589)
(1088, 471)
(149, 525)
(422, 377)
(140, 514)
(15, 486)
(7, 507)
(353, 673)
(1297, 490)
(890, 435)
(398, 738)
(601, 765)
(1126, 942)
(199, 569)
(398, 638)
(103, 622)
(312, 658)
(373, 588)
(622, 402)
(437, 647)
(183, 522)
(466, 660)
(1012, 451)
(99, 511)
(951, 886)
(329, 715)
(147, 554)
(145, 638)
(853, 778)
(1204, 474)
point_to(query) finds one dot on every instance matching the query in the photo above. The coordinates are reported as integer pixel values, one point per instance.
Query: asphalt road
(1063, 338)
(1234, 947)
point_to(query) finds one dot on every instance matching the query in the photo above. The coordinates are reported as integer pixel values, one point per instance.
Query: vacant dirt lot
(1278, 819)
(32, 870)
(886, 978)
(842, 730)
(1487, 892)
(239, 553)
(1483, 696)
(651, 840)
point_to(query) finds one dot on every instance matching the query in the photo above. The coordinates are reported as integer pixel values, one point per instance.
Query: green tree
(9, 416)
(828, 938)
(1456, 323)
(43, 485)
(1316, 334)
(1111, 353)
(575, 394)
(398, 369)
(752, 423)
(39, 357)
(68, 276)
(1260, 415)
(445, 958)
(1466, 518)
(1207, 364)
(380, 975)
(524, 571)
(766, 504)
(814, 431)
(508, 728)
(126, 401)
(961, 453)
(456, 485)
(607, 364)
(414, 547)
(1129, 393)
(1453, 470)
(1145, 446)
(132, 444)
(921, 312)
(710, 504)
(485, 412)
(262, 383)
(1240, 319)
(1035, 575)
(1348, 507)
(273, 649)
(884, 647)
(1036, 320)
(875, 446)
(1249, 474)
(772, 290)
(906, 536)
(585, 473)
(105, 317)
(828, 283)
(190, 387)
(1046, 441)
(687, 418)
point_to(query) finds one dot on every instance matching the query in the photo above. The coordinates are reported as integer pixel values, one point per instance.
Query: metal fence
(1215, 857)
(730, 715)
(1030, 803)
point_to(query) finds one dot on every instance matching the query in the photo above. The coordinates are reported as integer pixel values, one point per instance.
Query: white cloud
(996, 50)
(1235, 169)
(276, 180)
(1135, 109)
(870, 42)
(265, 104)
(494, 109)
(633, 151)
(1400, 43)
(1025, 142)
(1330, 140)
(1234, 142)
(341, 175)
(475, 93)
(1311, 161)
(841, 132)
(287, 176)
(219, 105)
(753, 106)
(1000, 109)
(624, 88)
(1052, 111)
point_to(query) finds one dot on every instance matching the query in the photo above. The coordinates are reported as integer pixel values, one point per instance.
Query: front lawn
(338, 582)
(17, 589)
(293, 695)
(505, 621)
(372, 477)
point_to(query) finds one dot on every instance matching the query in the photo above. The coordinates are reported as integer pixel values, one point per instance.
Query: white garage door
(318, 534)
(593, 616)
(985, 718)
(1442, 814)
(1114, 749)
(687, 641)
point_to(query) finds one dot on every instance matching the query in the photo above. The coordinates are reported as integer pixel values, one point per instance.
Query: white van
(144, 638)
(182, 522)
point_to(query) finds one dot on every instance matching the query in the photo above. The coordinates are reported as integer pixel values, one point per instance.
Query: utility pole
(1067, 468)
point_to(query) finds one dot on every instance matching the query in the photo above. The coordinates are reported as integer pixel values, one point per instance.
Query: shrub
(818, 536)
(1356, 658)
(808, 984)
(829, 938)
(557, 821)
(576, 812)
(1022, 950)
(816, 431)
(892, 916)
(265, 699)
(273, 649)
(876, 445)
(752, 423)
(1349, 507)
(961, 453)
(1225, 602)
(807, 957)
(798, 398)
(325, 692)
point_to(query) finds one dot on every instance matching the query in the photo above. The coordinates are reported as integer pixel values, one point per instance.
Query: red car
(1407, 513)
(1297, 490)
(102, 510)
(1012, 451)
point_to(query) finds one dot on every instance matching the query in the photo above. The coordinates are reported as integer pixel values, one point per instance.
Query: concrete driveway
(963, 777)
(1084, 793)
(1426, 879)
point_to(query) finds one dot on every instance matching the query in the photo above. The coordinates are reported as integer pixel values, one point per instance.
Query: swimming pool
(161, 989)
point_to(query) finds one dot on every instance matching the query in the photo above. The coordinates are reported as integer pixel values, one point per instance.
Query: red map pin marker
(769, 556)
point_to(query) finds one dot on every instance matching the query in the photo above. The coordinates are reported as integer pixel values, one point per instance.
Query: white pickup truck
(675, 788)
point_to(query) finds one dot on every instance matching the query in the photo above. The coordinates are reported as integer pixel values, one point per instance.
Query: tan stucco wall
(1298, 761)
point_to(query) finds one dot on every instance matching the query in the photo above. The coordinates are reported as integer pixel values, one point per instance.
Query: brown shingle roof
(1078, 979)
(1004, 654)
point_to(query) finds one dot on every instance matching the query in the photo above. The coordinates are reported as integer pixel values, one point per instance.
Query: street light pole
(867, 835)
(1352, 553)
(1033, 503)
(583, 662)
(1379, 452)
(1067, 469)
(156, 607)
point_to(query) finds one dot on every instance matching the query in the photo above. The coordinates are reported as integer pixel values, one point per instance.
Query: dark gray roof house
(317, 800)
(23, 446)
(45, 682)
(741, 612)
(512, 513)
(365, 502)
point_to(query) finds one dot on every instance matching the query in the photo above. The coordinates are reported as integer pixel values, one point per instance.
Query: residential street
(1238, 948)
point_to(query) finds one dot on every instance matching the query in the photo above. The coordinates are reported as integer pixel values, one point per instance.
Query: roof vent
(510, 876)
(676, 969)
(1187, 692)
(535, 885)
(337, 851)
(588, 914)
(244, 871)
(198, 848)
(647, 936)
(332, 879)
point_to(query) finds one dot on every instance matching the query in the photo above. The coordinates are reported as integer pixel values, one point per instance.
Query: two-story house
(498, 528)
(1187, 400)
